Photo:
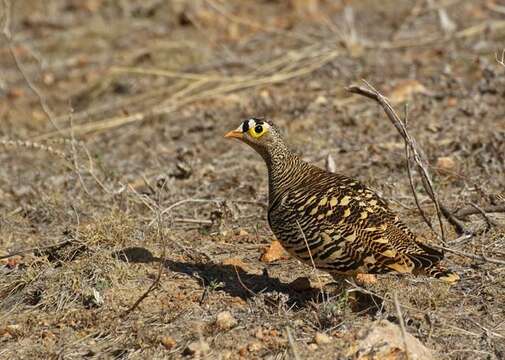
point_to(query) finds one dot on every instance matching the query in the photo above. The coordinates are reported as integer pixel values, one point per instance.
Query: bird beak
(237, 134)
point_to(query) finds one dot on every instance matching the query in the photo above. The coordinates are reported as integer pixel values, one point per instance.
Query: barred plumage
(333, 221)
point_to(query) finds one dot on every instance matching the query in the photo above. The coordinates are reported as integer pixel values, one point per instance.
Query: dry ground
(137, 96)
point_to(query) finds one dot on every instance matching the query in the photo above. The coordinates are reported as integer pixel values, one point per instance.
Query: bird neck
(284, 172)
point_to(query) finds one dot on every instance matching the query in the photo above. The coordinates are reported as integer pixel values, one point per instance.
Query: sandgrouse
(333, 221)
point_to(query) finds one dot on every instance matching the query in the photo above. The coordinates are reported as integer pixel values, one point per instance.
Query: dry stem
(422, 166)
(462, 213)
(161, 266)
(412, 149)
(402, 324)
(9, 38)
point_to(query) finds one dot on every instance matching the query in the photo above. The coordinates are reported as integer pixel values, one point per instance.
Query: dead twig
(310, 254)
(181, 202)
(35, 146)
(500, 9)
(309, 60)
(489, 222)
(252, 293)
(462, 213)
(10, 41)
(193, 221)
(414, 150)
(161, 266)
(470, 255)
(292, 344)
(38, 248)
(488, 331)
(402, 324)
(502, 60)
(458, 225)
(413, 188)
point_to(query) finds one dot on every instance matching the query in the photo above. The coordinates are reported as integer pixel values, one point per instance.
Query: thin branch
(10, 41)
(416, 152)
(458, 225)
(502, 60)
(38, 248)
(252, 293)
(75, 161)
(193, 221)
(7, 19)
(161, 266)
(413, 188)
(292, 344)
(489, 222)
(310, 254)
(402, 324)
(470, 255)
(462, 213)
(181, 202)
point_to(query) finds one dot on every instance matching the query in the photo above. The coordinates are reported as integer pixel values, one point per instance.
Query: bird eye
(258, 129)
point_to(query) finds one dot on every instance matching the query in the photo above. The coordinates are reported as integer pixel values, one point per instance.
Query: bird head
(261, 135)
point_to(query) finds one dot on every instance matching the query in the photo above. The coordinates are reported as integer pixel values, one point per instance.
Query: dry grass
(115, 172)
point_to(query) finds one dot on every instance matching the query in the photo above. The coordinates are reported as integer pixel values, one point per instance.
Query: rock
(384, 340)
(267, 97)
(254, 346)
(11, 331)
(259, 334)
(225, 320)
(446, 164)
(226, 354)
(321, 100)
(197, 348)
(274, 252)
(15, 93)
(168, 342)
(330, 164)
(322, 339)
(363, 279)
(404, 90)
(242, 232)
(312, 347)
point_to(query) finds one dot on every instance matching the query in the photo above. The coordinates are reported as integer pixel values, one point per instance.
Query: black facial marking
(245, 126)
(258, 121)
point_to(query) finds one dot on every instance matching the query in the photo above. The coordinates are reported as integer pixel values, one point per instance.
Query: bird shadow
(237, 282)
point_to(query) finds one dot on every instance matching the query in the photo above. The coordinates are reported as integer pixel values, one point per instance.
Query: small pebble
(168, 342)
(225, 320)
(322, 338)
(197, 348)
(254, 346)
(446, 163)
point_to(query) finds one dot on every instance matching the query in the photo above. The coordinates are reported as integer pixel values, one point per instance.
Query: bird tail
(443, 274)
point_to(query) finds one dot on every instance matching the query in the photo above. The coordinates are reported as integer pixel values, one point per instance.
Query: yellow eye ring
(257, 131)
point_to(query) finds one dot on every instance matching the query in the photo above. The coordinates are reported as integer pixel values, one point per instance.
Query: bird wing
(357, 230)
